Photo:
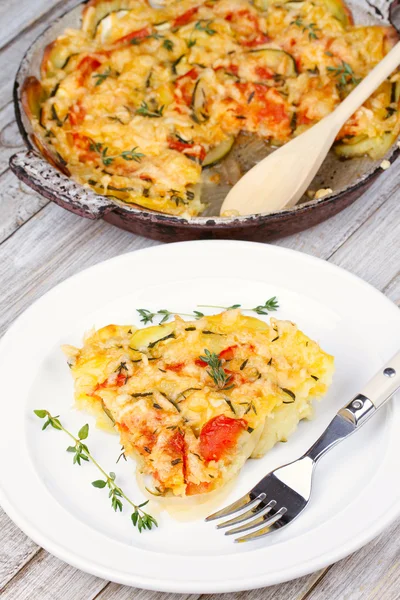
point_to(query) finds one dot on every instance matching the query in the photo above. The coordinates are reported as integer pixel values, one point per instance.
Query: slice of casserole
(192, 401)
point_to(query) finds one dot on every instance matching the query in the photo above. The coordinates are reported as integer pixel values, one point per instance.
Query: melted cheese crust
(189, 434)
(133, 103)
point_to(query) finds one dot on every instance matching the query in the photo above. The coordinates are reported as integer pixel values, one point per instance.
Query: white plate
(355, 495)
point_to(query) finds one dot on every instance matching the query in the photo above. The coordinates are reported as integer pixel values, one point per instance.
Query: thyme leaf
(204, 25)
(145, 111)
(345, 74)
(168, 45)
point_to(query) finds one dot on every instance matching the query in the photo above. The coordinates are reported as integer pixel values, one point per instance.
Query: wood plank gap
(391, 282)
(316, 583)
(25, 222)
(39, 550)
(101, 591)
(348, 239)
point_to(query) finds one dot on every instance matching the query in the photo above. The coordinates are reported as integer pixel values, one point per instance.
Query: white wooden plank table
(41, 244)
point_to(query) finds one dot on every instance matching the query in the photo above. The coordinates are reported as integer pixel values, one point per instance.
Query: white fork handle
(364, 89)
(361, 408)
(385, 383)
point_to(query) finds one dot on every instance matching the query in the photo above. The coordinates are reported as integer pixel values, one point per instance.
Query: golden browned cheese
(192, 401)
(138, 100)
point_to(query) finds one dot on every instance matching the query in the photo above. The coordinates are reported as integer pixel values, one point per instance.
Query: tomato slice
(139, 34)
(228, 353)
(86, 67)
(197, 488)
(260, 39)
(264, 73)
(76, 114)
(200, 363)
(176, 367)
(121, 379)
(185, 18)
(219, 435)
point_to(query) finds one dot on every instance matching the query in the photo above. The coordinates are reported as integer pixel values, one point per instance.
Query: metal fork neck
(348, 419)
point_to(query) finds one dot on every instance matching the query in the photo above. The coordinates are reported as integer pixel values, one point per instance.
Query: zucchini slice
(279, 61)
(337, 8)
(198, 104)
(375, 147)
(108, 412)
(219, 152)
(104, 26)
(96, 10)
(55, 56)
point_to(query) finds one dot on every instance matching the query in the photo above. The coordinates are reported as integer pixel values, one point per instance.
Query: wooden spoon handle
(368, 85)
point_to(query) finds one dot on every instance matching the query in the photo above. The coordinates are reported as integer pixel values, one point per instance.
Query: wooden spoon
(280, 179)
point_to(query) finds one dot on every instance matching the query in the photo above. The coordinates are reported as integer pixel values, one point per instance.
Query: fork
(284, 493)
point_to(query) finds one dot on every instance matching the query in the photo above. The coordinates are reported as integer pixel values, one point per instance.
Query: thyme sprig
(139, 517)
(345, 74)
(108, 160)
(310, 27)
(145, 111)
(147, 316)
(216, 371)
(270, 305)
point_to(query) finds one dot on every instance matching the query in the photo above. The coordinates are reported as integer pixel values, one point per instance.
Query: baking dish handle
(37, 173)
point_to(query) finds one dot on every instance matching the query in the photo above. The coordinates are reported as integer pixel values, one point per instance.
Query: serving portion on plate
(68, 509)
(140, 103)
(193, 400)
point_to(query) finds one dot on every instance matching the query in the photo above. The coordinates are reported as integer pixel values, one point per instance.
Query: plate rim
(196, 586)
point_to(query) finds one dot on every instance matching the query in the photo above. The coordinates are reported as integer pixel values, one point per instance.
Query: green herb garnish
(100, 77)
(168, 45)
(139, 517)
(147, 316)
(205, 26)
(311, 28)
(145, 111)
(216, 371)
(345, 74)
(108, 160)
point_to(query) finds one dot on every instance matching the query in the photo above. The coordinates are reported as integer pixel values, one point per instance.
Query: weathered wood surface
(40, 245)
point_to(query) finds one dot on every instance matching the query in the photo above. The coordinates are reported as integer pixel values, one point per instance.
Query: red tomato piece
(264, 73)
(257, 41)
(219, 435)
(87, 65)
(197, 488)
(200, 363)
(176, 144)
(228, 353)
(186, 17)
(140, 34)
(177, 443)
(77, 114)
(176, 367)
(184, 83)
(121, 379)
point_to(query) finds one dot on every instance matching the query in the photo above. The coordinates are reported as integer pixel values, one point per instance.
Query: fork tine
(257, 522)
(244, 502)
(248, 515)
(256, 535)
